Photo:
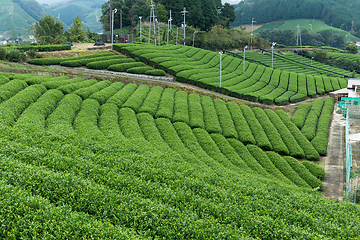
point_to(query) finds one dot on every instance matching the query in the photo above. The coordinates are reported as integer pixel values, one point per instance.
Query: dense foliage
(108, 169)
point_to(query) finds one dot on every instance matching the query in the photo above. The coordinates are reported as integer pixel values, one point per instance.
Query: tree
(352, 48)
(48, 30)
(162, 14)
(13, 35)
(76, 32)
(227, 15)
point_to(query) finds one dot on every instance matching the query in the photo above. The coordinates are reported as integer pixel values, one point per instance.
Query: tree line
(202, 14)
(342, 14)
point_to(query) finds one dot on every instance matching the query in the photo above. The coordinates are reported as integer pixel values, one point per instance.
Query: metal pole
(252, 27)
(297, 38)
(112, 24)
(220, 66)
(121, 32)
(244, 60)
(167, 40)
(177, 34)
(170, 20)
(272, 54)
(152, 8)
(140, 27)
(300, 39)
(356, 189)
(312, 60)
(194, 38)
(154, 26)
(184, 12)
(159, 35)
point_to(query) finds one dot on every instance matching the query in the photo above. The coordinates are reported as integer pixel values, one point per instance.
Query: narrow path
(334, 162)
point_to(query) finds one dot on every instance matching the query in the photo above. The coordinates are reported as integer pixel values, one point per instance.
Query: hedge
(256, 129)
(86, 121)
(212, 150)
(151, 101)
(314, 169)
(240, 123)
(98, 65)
(129, 124)
(226, 122)
(212, 124)
(85, 61)
(286, 169)
(271, 132)
(12, 108)
(103, 95)
(309, 150)
(121, 96)
(150, 131)
(294, 149)
(109, 122)
(320, 88)
(137, 98)
(62, 82)
(57, 61)
(139, 70)
(44, 48)
(304, 173)
(300, 115)
(311, 86)
(41, 79)
(122, 67)
(229, 152)
(60, 121)
(85, 93)
(266, 163)
(69, 88)
(309, 128)
(11, 88)
(155, 72)
(166, 105)
(246, 156)
(196, 116)
(181, 108)
(320, 141)
(71, 63)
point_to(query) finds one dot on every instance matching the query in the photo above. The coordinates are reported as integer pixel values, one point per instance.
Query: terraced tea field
(257, 83)
(88, 159)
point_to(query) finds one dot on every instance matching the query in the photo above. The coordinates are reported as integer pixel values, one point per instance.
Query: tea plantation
(100, 160)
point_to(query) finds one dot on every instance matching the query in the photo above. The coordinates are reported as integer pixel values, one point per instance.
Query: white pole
(159, 35)
(194, 38)
(220, 66)
(272, 54)
(151, 11)
(297, 38)
(312, 60)
(244, 60)
(112, 26)
(170, 20)
(140, 27)
(177, 34)
(154, 26)
(184, 12)
(167, 41)
(252, 27)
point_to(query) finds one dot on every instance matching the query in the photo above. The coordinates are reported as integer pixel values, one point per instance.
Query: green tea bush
(166, 105)
(122, 67)
(300, 115)
(181, 107)
(315, 170)
(122, 95)
(139, 70)
(69, 88)
(155, 72)
(309, 128)
(85, 93)
(109, 122)
(129, 124)
(309, 150)
(98, 65)
(137, 98)
(61, 82)
(196, 116)
(103, 95)
(225, 119)
(11, 88)
(212, 124)
(151, 101)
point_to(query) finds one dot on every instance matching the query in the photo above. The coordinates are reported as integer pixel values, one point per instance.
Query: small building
(351, 91)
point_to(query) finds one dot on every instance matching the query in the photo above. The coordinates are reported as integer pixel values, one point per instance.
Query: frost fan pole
(184, 13)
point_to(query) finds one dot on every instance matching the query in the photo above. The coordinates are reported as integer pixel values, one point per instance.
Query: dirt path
(334, 161)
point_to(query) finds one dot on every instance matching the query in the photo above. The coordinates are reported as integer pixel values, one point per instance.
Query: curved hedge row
(123, 67)
(11, 88)
(61, 82)
(57, 61)
(69, 88)
(109, 122)
(166, 104)
(309, 128)
(212, 124)
(196, 116)
(300, 115)
(240, 123)
(304, 173)
(226, 122)
(315, 170)
(155, 72)
(271, 132)
(137, 98)
(151, 101)
(139, 70)
(181, 107)
(309, 150)
(121, 96)
(85, 93)
(85, 61)
(103, 95)
(294, 149)
(129, 124)
(98, 65)
(286, 169)
(256, 129)
(320, 141)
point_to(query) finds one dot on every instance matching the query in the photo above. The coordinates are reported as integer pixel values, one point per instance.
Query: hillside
(89, 12)
(343, 15)
(86, 159)
(19, 15)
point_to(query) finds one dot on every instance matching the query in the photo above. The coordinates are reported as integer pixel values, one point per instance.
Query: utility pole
(154, 25)
(272, 54)
(170, 20)
(184, 13)
(121, 24)
(151, 11)
(220, 65)
(111, 23)
(252, 27)
(112, 36)
(159, 35)
(140, 17)
(244, 59)
(177, 34)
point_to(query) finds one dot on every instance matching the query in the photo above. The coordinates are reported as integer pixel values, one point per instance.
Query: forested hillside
(19, 15)
(341, 14)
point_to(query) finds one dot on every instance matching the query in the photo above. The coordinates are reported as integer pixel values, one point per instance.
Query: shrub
(137, 98)
(166, 105)
(212, 124)
(181, 108)
(300, 115)
(315, 170)
(151, 101)
(85, 93)
(122, 67)
(196, 116)
(309, 128)
(139, 70)
(16, 56)
(129, 124)
(155, 72)
(121, 96)
(109, 122)
(226, 122)
(98, 65)
(69, 88)
(71, 63)
(103, 95)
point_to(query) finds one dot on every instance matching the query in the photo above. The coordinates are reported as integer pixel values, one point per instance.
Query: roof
(353, 82)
